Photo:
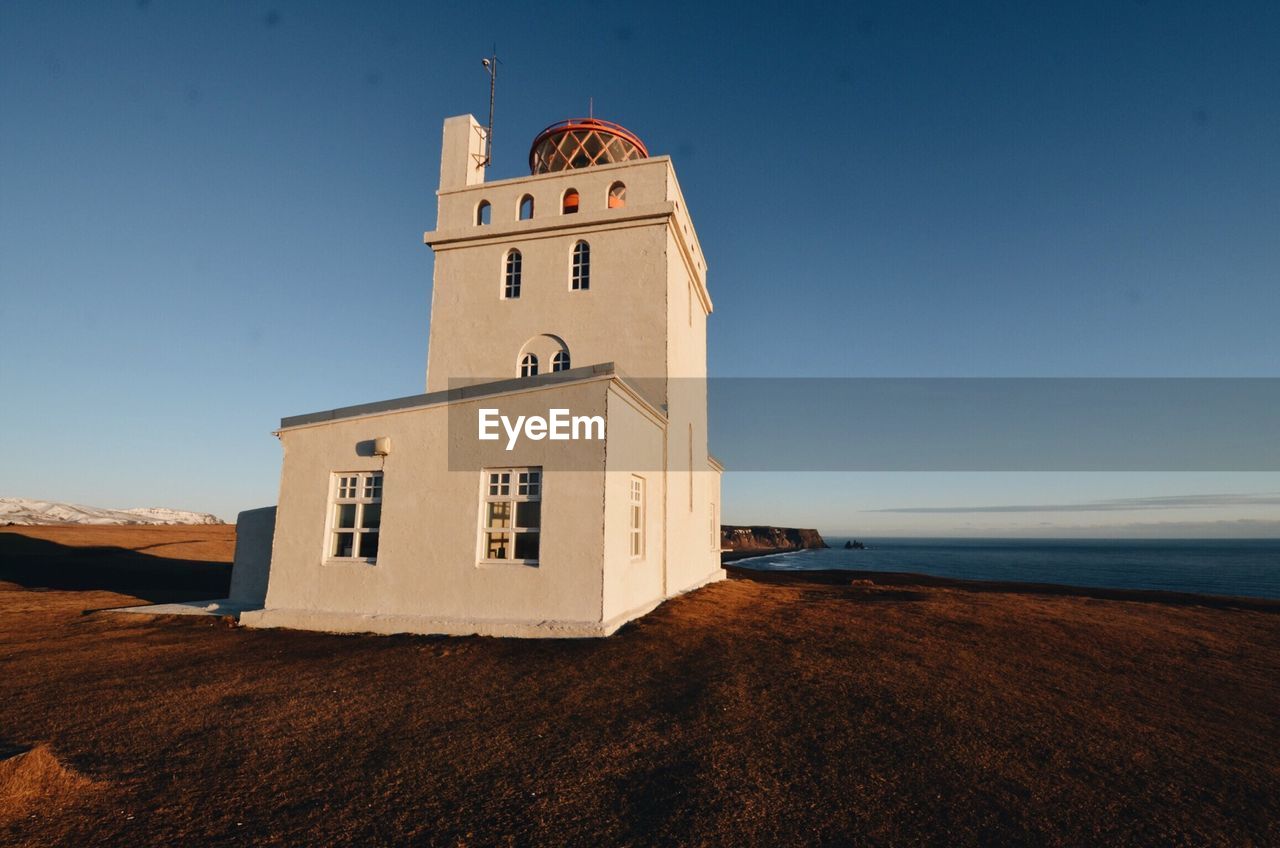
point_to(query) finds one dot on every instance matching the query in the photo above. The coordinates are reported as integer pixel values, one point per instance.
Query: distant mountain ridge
(28, 511)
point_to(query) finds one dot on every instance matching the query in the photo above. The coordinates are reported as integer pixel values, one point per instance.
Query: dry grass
(36, 780)
(748, 713)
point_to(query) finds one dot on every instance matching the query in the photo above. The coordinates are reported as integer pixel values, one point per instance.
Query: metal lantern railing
(582, 143)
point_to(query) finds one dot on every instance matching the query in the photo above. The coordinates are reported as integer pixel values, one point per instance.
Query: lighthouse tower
(591, 258)
(579, 287)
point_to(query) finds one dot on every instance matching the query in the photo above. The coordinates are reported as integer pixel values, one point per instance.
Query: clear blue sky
(199, 202)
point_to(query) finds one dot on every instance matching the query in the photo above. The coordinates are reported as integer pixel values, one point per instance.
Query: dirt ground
(752, 712)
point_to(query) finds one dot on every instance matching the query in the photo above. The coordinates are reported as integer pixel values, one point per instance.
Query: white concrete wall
(462, 152)
(477, 335)
(429, 548)
(645, 311)
(255, 529)
(692, 487)
(636, 442)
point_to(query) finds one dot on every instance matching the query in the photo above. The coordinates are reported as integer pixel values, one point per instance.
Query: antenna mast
(490, 65)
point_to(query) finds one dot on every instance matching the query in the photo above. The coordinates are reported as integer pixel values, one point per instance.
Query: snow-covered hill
(29, 511)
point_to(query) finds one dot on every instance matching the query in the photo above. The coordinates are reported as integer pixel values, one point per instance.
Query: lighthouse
(574, 294)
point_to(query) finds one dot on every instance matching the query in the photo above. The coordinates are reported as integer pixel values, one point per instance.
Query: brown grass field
(753, 712)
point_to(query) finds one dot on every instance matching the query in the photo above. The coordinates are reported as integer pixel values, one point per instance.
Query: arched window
(580, 276)
(539, 350)
(526, 207)
(570, 202)
(482, 214)
(617, 196)
(511, 279)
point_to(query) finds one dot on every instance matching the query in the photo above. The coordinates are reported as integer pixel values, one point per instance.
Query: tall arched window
(617, 196)
(529, 366)
(561, 361)
(580, 276)
(511, 279)
(482, 214)
(570, 202)
(526, 207)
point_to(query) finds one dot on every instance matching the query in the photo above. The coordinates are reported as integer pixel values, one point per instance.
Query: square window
(357, 517)
(499, 514)
(511, 517)
(499, 545)
(529, 514)
(527, 546)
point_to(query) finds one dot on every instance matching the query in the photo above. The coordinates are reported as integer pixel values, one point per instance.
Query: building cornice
(699, 282)
(550, 225)
(552, 175)
(605, 371)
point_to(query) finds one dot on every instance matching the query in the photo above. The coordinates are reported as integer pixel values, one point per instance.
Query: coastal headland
(743, 541)
(779, 709)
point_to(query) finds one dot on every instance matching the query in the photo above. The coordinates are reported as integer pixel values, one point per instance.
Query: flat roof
(478, 390)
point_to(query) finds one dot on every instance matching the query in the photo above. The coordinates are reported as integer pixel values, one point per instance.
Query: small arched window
(529, 366)
(617, 196)
(526, 207)
(511, 279)
(561, 361)
(570, 203)
(482, 214)
(580, 275)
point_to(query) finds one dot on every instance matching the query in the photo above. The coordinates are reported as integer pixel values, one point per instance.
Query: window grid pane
(511, 281)
(357, 516)
(512, 515)
(581, 275)
(637, 517)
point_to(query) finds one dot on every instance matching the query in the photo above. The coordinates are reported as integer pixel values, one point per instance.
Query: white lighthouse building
(554, 479)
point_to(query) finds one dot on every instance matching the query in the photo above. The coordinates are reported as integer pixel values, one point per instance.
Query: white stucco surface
(645, 313)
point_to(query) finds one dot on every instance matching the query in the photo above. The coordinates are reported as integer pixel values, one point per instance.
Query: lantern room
(582, 143)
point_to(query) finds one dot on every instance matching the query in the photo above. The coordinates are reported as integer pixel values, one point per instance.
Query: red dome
(581, 143)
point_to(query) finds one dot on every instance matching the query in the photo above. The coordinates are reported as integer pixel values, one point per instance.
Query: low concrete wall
(255, 528)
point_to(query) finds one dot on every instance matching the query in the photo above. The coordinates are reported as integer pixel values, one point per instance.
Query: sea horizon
(1244, 567)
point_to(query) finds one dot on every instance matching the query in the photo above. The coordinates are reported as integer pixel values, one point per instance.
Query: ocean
(1247, 567)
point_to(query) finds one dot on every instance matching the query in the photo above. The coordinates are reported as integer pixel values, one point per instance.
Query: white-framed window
(483, 212)
(637, 517)
(560, 362)
(526, 207)
(511, 275)
(355, 517)
(529, 365)
(511, 515)
(580, 272)
(569, 203)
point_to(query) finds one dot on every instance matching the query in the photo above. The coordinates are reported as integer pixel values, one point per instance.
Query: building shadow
(35, 563)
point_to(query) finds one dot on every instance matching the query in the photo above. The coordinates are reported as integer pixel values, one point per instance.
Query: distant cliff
(738, 542)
